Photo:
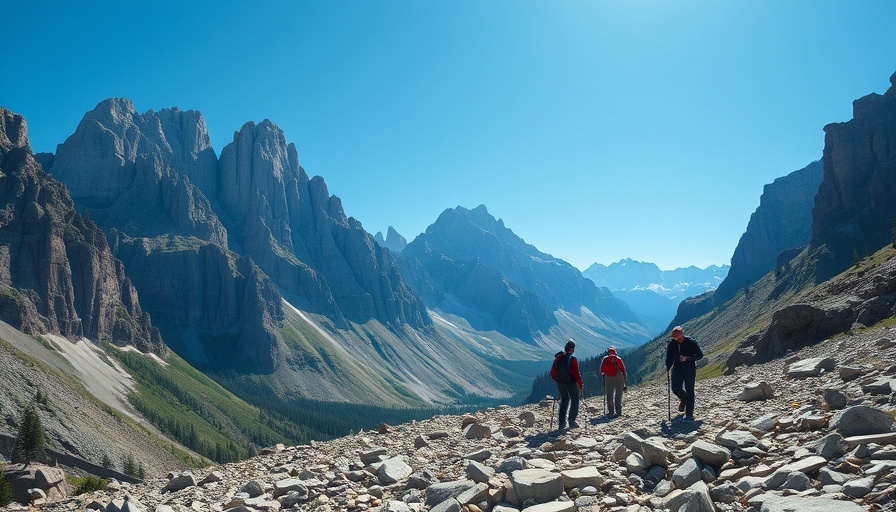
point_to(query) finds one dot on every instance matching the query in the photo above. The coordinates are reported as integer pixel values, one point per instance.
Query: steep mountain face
(252, 268)
(821, 290)
(393, 241)
(152, 181)
(855, 209)
(300, 236)
(782, 221)
(57, 272)
(142, 174)
(139, 177)
(532, 286)
(778, 229)
(654, 294)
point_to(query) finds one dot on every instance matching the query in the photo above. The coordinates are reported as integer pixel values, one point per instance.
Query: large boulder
(655, 452)
(709, 453)
(393, 470)
(51, 481)
(537, 484)
(862, 420)
(812, 367)
(756, 391)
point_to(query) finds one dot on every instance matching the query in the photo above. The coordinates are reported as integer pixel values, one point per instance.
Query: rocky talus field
(812, 431)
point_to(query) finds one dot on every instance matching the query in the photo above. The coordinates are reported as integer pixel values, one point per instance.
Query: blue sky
(598, 130)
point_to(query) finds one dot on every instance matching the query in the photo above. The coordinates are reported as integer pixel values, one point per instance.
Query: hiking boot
(573, 424)
(681, 406)
(561, 426)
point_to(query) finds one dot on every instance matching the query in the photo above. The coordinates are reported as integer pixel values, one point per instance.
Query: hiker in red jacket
(565, 372)
(613, 370)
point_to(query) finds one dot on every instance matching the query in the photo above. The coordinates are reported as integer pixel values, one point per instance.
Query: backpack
(563, 373)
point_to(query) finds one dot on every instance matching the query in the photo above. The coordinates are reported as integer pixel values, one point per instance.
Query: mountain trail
(810, 431)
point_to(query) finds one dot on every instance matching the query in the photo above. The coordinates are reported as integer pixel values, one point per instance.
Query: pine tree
(5, 488)
(107, 462)
(29, 444)
(129, 466)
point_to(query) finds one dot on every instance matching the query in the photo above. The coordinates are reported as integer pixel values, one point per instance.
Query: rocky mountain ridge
(628, 274)
(813, 431)
(859, 164)
(57, 272)
(468, 263)
(226, 251)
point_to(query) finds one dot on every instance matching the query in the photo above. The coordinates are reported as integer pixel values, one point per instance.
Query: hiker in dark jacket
(565, 372)
(682, 354)
(613, 370)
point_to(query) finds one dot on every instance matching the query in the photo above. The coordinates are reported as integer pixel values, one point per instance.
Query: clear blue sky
(598, 130)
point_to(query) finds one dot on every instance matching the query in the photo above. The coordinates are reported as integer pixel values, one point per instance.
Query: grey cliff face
(300, 236)
(782, 221)
(58, 274)
(856, 204)
(153, 183)
(142, 173)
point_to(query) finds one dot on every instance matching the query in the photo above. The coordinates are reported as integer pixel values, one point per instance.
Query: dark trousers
(682, 379)
(569, 399)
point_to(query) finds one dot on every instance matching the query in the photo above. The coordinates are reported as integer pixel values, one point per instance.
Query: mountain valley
(229, 304)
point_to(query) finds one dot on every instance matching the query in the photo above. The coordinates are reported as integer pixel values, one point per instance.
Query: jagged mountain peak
(393, 240)
(13, 132)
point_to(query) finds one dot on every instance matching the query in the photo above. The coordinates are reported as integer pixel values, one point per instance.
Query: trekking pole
(669, 395)
(553, 404)
(604, 399)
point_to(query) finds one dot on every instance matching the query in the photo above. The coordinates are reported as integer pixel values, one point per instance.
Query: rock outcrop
(57, 272)
(855, 209)
(143, 174)
(855, 299)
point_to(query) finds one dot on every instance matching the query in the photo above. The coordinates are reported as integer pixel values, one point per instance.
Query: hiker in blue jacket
(682, 354)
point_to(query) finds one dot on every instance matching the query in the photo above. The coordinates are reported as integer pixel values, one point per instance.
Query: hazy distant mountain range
(654, 294)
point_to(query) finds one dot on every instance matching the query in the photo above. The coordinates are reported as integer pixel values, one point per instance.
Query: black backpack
(563, 374)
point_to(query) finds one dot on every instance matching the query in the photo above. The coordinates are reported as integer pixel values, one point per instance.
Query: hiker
(565, 372)
(615, 379)
(682, 354)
